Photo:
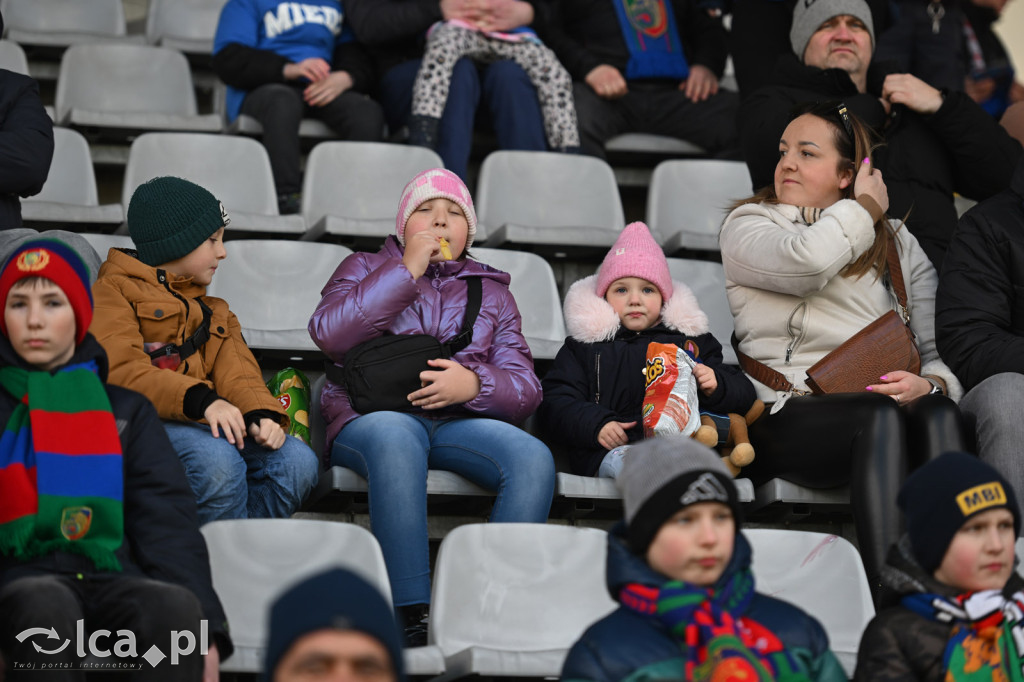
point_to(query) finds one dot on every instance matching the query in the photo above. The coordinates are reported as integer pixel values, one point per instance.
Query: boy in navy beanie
(960, 600)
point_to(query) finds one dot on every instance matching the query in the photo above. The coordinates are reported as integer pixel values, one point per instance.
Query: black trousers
(280, 109)
(149, 609)
(660, 109)
(863, 439)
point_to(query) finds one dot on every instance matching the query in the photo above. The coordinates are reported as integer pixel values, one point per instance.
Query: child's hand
(613, 434)
(419, 249)
(224, 416)
(268, 433)
(326, 90)
(707, 382)
(452, 385)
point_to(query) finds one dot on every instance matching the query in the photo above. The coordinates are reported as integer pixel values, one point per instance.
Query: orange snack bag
(670, 401)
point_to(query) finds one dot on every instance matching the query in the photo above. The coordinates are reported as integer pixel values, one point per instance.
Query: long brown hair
(854, 141)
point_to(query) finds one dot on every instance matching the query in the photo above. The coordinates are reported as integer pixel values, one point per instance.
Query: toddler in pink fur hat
(594, 391)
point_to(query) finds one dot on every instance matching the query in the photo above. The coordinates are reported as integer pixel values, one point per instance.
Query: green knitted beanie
(169, 218)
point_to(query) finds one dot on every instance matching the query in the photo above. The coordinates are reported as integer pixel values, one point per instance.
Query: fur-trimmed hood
(590, 319)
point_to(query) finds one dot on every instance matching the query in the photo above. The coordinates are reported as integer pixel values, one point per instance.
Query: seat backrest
(12, 57)
(534, 288)
(547, 189)
(362, 180)
(694, 194)
(518, 587)
(112, 77)
(191, 19)
(274, 285)
(809, 570)
(255, 560)
(71, 179)
(236, 170)
(103, 243)
(707, 281)
(95, 17)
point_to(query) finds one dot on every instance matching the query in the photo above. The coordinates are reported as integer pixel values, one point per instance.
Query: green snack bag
(291, 388)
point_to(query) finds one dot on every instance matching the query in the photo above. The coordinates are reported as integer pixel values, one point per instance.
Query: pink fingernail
(866, 160)
(885, 378)
(868, 388)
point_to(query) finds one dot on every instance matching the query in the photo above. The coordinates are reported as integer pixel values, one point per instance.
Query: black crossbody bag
(379, 374)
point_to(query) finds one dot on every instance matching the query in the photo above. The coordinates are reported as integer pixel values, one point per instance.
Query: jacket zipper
(597, 372)
(794, 338)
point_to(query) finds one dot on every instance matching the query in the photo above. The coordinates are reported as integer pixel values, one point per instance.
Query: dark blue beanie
(938, 498)
(336, 600)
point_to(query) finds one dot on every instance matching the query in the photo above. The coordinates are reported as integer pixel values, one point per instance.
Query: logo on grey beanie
(707, 488)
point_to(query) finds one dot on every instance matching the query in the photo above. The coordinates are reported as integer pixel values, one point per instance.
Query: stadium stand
(536, 293)
(58, 23)
(821, 574)
(70, 194)
(689, 198)
(254, 560)
(186, 25)
(274, 286)
(235, 169)
(351, 189)
(12, 57)
(706, 280)
(104, 242)
(509, 599)
(545, 199)
(125, 89)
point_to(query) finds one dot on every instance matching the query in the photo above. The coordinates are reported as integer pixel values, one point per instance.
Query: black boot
(423, 131)
(413, 618)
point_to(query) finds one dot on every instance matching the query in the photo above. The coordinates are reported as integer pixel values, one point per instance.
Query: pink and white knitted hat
(635, 254)
(436, 183)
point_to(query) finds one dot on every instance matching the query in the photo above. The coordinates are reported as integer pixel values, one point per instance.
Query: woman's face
(808, 172)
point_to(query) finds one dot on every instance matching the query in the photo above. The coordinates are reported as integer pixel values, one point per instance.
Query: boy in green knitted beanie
(184, 351)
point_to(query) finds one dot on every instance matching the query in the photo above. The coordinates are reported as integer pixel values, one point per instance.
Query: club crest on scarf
(75, 522)
(647, 16)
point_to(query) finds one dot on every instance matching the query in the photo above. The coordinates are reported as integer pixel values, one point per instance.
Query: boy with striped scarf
(100, 551)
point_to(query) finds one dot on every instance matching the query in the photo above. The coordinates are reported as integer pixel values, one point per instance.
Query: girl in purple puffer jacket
(462, 418)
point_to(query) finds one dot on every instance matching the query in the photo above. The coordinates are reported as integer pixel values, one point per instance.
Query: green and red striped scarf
(717, 641)
(61, 481)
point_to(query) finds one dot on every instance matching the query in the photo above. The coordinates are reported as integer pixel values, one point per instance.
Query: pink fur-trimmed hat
(436, 183)
(635, 254)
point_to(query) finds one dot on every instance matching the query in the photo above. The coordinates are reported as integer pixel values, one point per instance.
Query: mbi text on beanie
(169, 217)
(809, 15)
(938, 498)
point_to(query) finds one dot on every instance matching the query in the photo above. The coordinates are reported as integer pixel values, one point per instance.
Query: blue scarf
(649, 29)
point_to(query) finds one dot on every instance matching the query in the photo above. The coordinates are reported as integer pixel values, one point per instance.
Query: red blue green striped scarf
(61, 482)
(718, 644)
(987, 635)
(650, 31)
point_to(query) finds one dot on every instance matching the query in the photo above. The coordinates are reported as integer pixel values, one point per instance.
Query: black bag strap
(474, 296)
(193, 343)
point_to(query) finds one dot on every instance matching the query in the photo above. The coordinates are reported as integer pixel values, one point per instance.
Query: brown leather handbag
(885, 345)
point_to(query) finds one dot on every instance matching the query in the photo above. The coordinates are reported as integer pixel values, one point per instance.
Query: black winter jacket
(627, 645)
(161, 529)
(586, 33)
(594, 382)
(979, 305)
(898, 644)
(26, 144)
(925, 159)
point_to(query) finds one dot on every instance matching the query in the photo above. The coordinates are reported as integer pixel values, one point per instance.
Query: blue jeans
(249, 483)
(508, 95)
(393, 451)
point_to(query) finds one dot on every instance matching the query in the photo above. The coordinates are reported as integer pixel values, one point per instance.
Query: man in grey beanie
(936, 142)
